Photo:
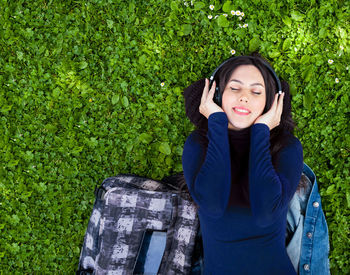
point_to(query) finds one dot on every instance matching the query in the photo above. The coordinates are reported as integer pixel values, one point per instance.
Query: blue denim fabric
(307, 230)
(307, 241)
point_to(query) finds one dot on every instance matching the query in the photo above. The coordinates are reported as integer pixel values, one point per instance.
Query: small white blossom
(336, 80)
(295, 49)
(233, 12)
(341, 47)
(330, 61)
(233, 51)
(245, 25)
(240, 25)
(216, 16)
(240, 18)
(186, 4)
(191, 3)
(238, 13)
(211, 7)
(347, 68)
(210, 16)
(225, 14)
(162, 84)
(242, 14)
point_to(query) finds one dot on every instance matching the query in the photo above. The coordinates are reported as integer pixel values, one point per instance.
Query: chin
(239, 126)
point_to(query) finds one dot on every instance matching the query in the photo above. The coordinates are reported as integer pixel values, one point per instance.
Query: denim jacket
(307, 241)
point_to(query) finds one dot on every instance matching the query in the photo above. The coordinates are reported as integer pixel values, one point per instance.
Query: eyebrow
(254, 84)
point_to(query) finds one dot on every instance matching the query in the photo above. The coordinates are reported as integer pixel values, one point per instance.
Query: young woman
(242, 166)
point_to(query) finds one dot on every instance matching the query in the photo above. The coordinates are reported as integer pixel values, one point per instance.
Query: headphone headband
(279, 86)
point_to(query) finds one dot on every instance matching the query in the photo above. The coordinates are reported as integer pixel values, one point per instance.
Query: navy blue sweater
(239, 239)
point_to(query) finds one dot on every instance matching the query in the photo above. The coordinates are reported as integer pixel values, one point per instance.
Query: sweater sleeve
(271, 189)
(208, 171)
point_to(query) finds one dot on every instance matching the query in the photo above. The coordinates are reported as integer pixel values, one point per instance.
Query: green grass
(81, 100)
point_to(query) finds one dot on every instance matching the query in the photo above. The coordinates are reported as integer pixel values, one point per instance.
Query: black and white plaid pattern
(131, 205)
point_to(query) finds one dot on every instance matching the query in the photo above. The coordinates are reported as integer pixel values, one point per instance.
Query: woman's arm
(208, 172)
(272, 189)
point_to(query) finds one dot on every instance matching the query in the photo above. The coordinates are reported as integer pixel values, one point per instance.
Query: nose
(243, 98)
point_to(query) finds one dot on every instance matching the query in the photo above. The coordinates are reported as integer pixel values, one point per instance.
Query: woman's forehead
(247, 74)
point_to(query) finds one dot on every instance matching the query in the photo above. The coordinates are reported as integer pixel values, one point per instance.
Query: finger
(205, 91)
(280, 104)
(274, 104)
(212, 91)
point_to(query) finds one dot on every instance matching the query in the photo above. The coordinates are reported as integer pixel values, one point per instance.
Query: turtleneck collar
(239, 140)
(239, 134)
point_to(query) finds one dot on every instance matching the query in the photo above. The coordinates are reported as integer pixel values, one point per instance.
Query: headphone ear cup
(217, 96)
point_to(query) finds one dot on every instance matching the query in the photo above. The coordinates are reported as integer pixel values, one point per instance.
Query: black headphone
(218, 96)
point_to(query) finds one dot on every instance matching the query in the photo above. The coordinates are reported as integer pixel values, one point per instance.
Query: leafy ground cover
(90, 89)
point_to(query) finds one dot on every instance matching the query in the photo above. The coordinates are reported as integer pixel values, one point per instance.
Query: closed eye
(256, 93)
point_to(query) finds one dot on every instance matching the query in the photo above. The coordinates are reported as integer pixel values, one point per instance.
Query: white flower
(210, 16)
(240, 25)
(341, 47)
(233, 12)
(240, 18)
(191, 3)
(186, 4)
(245, 25)
(224, 14)
(162, 84)
(233, 51)
(238, 13)
(330, 61)
(216, 16)
(336, 80)
(242, 14)
(211, 7)
(347, 68)
(295, 49)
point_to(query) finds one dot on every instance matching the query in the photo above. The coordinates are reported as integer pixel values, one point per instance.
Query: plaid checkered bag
(126, 206)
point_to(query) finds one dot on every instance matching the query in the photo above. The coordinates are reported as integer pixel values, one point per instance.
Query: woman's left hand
(273, 117)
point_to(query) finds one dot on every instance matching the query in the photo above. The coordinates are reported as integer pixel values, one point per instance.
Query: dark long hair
(279, 135)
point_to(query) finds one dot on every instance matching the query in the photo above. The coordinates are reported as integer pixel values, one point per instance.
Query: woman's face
(244, 97)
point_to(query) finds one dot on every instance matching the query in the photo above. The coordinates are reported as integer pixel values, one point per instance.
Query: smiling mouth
(240, 111)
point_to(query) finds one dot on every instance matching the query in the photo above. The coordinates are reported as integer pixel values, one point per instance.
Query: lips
(241, 111)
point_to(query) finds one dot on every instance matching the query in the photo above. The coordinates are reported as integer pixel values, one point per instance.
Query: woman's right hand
(208, 106)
